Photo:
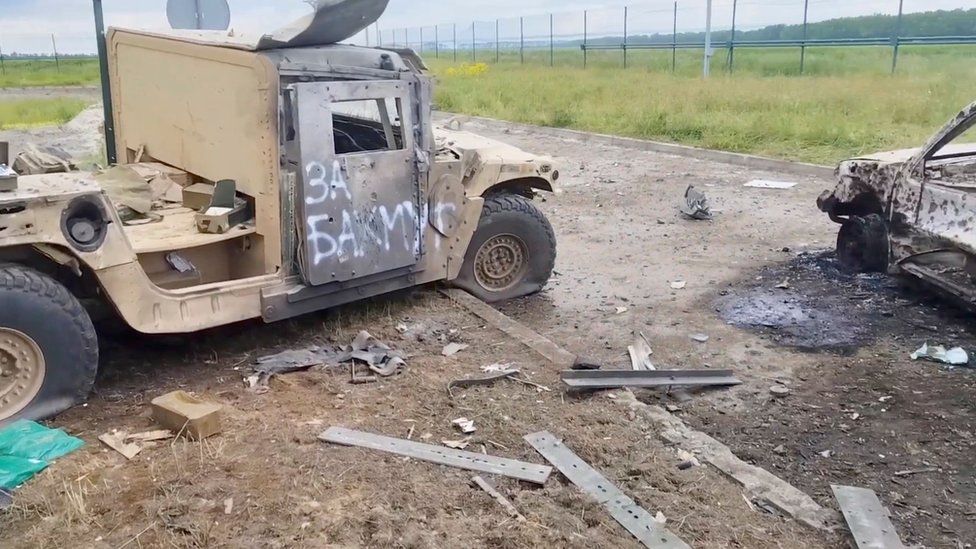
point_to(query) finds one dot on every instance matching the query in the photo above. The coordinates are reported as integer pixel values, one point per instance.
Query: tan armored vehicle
(913, 211)
(256, 179)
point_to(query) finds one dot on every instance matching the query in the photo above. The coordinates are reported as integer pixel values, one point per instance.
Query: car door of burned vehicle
(359, 201)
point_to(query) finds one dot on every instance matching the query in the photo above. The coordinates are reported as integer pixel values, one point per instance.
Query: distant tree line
(957, 22)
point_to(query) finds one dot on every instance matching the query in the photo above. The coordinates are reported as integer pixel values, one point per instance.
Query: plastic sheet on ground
(27, 448)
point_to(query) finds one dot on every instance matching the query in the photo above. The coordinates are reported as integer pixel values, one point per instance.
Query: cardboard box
(185, 414)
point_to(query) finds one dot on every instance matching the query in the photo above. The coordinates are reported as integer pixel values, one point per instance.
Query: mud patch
(812, 304)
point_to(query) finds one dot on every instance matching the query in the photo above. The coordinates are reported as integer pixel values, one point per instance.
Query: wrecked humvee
(913, 211)
(282, 179)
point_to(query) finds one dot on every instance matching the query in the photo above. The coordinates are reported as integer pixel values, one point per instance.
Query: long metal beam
(624, 510)
(470, 461)
(612, 379)
(867, 518)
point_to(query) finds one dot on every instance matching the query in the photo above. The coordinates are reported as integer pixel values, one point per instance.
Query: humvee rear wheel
(512, 253)
(48, 347)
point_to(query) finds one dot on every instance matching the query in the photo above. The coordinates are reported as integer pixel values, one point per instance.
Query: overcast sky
(28, 24)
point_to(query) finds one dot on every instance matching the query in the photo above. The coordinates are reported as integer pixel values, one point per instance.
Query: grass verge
(21, 113)
(20, 73)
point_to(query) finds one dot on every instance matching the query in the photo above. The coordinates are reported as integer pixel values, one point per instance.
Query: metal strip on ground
(867, 518)
(535, 341)
(470, 461)
(624, 510)
(612, 379)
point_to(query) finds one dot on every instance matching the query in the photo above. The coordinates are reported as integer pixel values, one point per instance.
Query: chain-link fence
(665, 35)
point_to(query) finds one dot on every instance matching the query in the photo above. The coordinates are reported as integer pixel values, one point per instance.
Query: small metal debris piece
(696, 205)
(624, 510)
(485, 380)
(615, 379)
(679, 285)
(640, 354)
(700, 338)
(465, 425)
(528, 337)
(502, 500)
(471, 461)
(452, 349)
(766, 184)
(867, 518)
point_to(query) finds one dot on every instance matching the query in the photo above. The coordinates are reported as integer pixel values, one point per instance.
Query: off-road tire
(862, 244)
(517, 228)
(45, 313)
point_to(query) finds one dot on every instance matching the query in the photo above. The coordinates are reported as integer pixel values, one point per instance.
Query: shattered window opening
(366, 125)
(954, 163)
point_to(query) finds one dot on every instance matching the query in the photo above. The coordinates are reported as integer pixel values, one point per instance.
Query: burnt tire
(512, 253)
(48, 346)
(862, 244)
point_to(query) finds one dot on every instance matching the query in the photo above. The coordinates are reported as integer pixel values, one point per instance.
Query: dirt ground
(775, 310)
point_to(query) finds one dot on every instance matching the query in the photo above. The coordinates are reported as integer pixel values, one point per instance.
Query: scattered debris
(679, 285)
(552, 352)
(187, 415)
(688, 460)
(150, 436)
(457, 444)
(696, 205)
(640, 354)
(452, 349)
(229, 506)
(624, 510)
(615, 379)
(27, 448)
(8, 179)
(622, 310)
(911, 472)
(465, 425)
(766, 184)
(502, 500)
(116, 441)
(485, 380)
(779, 390)
(464, 460)
(6, 499)
(784, 285)
(827, 454)
(867, 518)
(35, 160)
(498, 368)
(700, 338)
(381, 359)
(581, 364)
(955, 356)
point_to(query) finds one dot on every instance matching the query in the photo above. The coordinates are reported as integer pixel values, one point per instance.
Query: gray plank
(624, 510)
(470, 461)
(610, 379)
(867, 519)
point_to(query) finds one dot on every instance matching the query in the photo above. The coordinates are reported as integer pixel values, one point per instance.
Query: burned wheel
(48, 347)
(862, 244)
(513, 251)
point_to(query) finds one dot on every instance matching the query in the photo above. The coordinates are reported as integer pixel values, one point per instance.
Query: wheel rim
(22, 369)
(501, 262)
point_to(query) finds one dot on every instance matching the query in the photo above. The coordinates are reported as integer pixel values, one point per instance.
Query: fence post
(585, 51)
(3, 67)
(735, 5)
(625, 37)
(54, 43)
(474, 43)
(437, 41)
(674, 41)
(522, 40)
(421, 40)
(896, 39)
(803, 47)
(455, 42)
(552, 40)
(497, 38)
(708, 38)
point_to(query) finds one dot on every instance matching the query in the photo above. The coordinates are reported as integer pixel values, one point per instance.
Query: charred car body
(306, 177)
(913, 211)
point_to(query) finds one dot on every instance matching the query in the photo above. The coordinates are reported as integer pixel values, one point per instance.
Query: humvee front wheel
(512, 253)
(48, 347)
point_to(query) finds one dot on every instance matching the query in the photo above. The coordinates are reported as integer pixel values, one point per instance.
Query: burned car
(913, 211)
(256, 179)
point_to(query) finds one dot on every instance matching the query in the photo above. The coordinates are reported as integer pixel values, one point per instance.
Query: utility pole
(585, 17)
(735, 5)
(455, 42)
(674, 41)
(522, 40)
(54, 44)
(474, 43)
(625, 37)
(437, 41)
(896, 39)
(106, 89)
(708, 39)
(497, 38)
(552, 40)
(803, 47)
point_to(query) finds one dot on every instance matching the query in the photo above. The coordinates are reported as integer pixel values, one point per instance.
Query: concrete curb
(745, 160)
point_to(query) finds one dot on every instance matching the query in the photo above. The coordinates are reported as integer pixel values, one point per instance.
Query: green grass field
(21, 73)
(21, 113)
(846, 102)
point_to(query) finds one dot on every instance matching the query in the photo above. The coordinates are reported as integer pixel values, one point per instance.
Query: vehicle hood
(461, 142)
(900, 156)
